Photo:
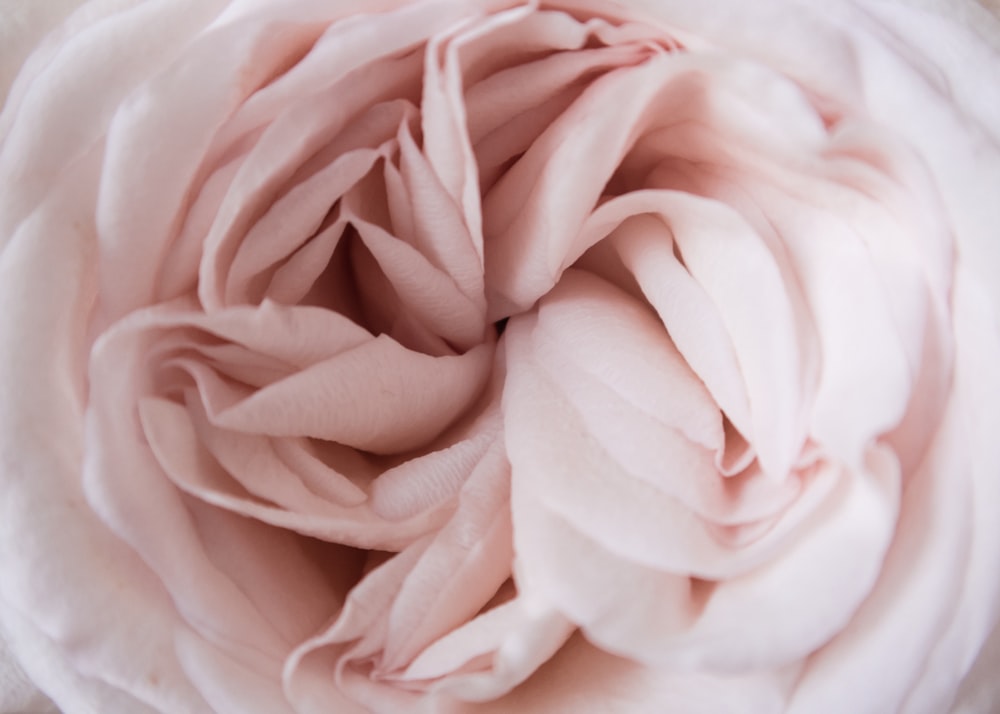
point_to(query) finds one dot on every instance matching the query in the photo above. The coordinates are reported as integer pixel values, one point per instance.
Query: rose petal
(582, 678)
(285, 144)
(110, 657)
(731, 264)
(378, 397)
(521, 636)
(148, 136)
(630, 457)
(291, 221)
(63, 112)
(418, 597)
(934, 559)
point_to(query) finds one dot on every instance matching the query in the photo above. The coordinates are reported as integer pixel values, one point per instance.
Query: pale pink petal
(625, 456)
(865, 370)
(632, 392)
(957, 647)
(228, 684)
(508, 92)
(460, 572)
(296, 583)
(644, 247)
(26, 30)
(127, 487)
(295, 280)
(279, 153)
(534, 212)
(511, 642)
(407, 604)
(148, 136)
(441, 230)
(738, 274)
(953, 119)
(936, 557)
(583, 678)
(770, 199)
(177, 273)
(78, 649)
(379, 397)
(430, 479)
(358, 46)
(63, 112)
(327, 477)
(66, 684)
(187, 463)
(430, 294)
(601, 454)
(290, 222)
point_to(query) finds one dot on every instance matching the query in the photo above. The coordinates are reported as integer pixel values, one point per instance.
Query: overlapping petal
(736, 429)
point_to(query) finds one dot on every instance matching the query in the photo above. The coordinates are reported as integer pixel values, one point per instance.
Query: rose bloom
(494, 356)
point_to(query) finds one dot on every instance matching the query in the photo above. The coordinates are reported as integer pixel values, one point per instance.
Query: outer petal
(17, 692)
(22, 25)
(908, 68)
(600, 524)
(581, 678)
(52, 543)
(939, 592)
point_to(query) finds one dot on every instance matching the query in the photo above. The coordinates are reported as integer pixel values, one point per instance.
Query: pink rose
(487, 356)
